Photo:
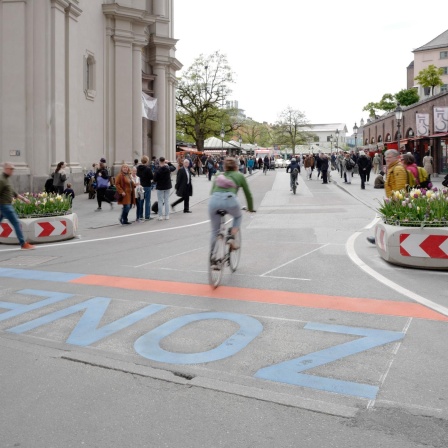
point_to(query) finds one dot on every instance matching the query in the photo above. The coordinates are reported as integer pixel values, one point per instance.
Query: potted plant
(414, 228)
(47, 217)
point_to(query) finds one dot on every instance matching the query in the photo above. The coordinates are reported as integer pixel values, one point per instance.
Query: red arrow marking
(47, 229)
(403, 251)
(6, 230)
(432, 246)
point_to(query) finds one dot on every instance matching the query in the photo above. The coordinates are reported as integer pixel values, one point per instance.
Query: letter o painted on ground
(148, 345)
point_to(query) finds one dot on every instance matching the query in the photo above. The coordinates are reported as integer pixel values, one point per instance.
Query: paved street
(116, 339)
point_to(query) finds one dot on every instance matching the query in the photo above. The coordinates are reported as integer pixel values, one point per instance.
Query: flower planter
(41, 230)
(417, 247)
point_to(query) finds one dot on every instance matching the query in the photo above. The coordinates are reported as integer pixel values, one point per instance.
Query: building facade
(72, 75)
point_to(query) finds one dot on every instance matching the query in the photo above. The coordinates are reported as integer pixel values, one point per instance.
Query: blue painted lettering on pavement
(19, 308)
(148, 345)
(39, 275)
(86, 332)
(289, 371)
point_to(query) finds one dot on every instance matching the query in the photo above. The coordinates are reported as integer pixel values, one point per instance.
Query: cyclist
(294, 167)
(224, 197)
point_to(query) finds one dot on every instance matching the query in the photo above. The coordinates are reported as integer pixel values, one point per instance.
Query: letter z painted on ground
(289, 371)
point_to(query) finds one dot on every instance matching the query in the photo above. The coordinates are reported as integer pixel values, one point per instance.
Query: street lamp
(398, 116)
(355, 131)
(337, 138)
(331, 144)
(241, 141)
(223, 134)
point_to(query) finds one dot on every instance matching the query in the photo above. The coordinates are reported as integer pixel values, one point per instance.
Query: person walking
(324, 168)
(59, 177)
(102, 182)
(144, 172)
(184, 187)
(363, 168)
(125, 190)
(163, 179)
(428, 163)
(396, 177)
(6, 208)
(376, 163)
(348, 165)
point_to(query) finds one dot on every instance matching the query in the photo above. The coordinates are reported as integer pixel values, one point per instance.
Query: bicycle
(224, 251)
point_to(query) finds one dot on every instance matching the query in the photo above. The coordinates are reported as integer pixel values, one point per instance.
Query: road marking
(306, 300)
(350, 247)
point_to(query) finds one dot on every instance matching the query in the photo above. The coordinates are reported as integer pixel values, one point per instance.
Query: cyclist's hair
(230, 164)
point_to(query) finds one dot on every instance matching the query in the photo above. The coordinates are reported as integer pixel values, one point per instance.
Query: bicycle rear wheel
(235, 254)
(216, 262)
(294, 186)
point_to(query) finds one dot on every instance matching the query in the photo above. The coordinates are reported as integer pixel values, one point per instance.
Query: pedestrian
(363, 168)
(428, 163)
(184, 187)
(139, 195)
(376, 163)
(125, 190)
(162, 177)
(69, 192)
(348, 165)
(59, 177)
(144, 172)
(396, 177)
(324, 168)
(210, 167)
(102, 182)
(250, 164)
(6, 208)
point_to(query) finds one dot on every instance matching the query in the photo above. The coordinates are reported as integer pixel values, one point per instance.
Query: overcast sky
(327, 59)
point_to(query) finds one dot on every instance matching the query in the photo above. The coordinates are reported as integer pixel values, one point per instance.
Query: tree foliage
(290, 128)
(430, 77)
(406, 97)
(254, 132)
(201, 94)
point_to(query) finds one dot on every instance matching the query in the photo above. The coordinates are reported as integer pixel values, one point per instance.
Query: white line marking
(295, 259)
(350, 247)
(167, 258)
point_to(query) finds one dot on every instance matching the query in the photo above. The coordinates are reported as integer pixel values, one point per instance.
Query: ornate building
(72, 74)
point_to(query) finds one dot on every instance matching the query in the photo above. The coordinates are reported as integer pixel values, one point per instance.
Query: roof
(327, 127)
(440, 41)
(217, 143)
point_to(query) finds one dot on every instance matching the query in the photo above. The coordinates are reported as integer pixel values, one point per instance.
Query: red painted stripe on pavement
(307, 300)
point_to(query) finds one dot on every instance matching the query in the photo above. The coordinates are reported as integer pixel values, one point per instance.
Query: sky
(327, 59)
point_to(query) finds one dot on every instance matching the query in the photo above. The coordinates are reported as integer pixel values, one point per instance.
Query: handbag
(101, 182)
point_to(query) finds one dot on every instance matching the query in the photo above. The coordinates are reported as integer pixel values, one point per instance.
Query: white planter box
(41, 230)
(425, 248)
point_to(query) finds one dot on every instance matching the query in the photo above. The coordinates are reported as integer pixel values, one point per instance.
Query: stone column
(159, 127)
(123, 91)
(73, 64)
(58, 76)
(13, 117)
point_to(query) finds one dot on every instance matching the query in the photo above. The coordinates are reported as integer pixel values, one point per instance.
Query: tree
(430, 77)
(289, 129)
(406, 97)
(254, 132)
(201, 93)
(387, 102)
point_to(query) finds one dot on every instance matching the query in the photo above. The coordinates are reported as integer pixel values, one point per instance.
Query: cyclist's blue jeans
(7, 211)
(225, 201)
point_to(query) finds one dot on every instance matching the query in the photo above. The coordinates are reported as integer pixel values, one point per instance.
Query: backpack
(422, 175)
(349, 164)
(411, 182)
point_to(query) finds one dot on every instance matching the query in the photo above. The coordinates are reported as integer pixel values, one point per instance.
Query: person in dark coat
(363, 166)
(144, 172)
(324, 167)
(102, 172)
(184, 187)
(162, 177)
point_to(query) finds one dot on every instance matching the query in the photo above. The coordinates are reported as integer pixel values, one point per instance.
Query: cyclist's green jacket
(239, 180)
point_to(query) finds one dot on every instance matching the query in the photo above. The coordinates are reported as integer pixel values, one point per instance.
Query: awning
(440, 134)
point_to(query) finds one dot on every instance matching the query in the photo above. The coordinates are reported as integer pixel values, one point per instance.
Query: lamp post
(240, 141)
(331, 144)
(398, 116)
(355, 131)
(223, 134)
(337, 138)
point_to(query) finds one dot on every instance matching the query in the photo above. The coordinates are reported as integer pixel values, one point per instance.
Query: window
(89, 76)
(426, 91)
(444, 55)
(444, 88)
(445, 70)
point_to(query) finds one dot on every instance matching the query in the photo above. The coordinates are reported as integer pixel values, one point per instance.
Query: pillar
(159, 127)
